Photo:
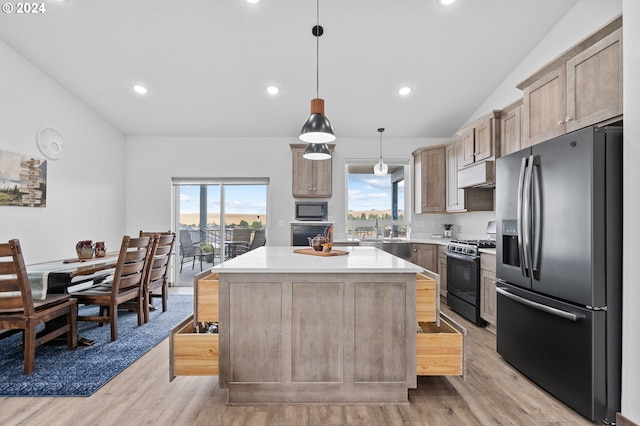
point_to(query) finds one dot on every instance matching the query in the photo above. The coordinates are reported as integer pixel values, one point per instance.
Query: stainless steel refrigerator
(559, 267)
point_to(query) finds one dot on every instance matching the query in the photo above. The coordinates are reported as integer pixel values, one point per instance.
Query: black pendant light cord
(317, 31)
(380, 130)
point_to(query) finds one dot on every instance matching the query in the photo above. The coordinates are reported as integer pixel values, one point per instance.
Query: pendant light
(380, 169)
(317, 129)
(317, 151)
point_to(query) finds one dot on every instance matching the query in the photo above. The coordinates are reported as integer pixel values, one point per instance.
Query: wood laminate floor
(492, 394)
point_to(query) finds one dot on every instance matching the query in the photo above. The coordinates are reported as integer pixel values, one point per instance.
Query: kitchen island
(298, 328)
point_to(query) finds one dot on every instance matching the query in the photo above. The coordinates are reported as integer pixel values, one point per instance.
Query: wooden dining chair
(126, 288)
(157, 271)
(19, 310)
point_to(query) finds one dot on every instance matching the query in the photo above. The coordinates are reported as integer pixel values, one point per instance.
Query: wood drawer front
(488, 262)
(439, 350)
(206, 299)
(426, 306)
(191, 353)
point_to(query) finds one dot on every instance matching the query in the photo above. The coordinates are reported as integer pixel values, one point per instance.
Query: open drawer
(191, 353)
(427, 297)
(440, 349)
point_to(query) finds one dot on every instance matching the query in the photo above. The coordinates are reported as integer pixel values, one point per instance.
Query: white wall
(583, 19)
(153, 161)
(84, 189)
(631, 193)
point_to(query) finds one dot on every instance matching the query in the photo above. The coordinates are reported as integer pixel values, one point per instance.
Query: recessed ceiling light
(446, 2)
(253, 1)
(139, 89)
(273, 90)
(404, 91)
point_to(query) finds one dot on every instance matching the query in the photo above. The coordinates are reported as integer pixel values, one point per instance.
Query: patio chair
(240, 240)
(189, 250)
(19, 311)
(259, 239)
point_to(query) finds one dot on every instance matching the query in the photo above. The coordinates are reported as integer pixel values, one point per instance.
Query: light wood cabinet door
(510, 131)
(468, 148)
(425, 255)
(488, 297)
(484, 140)
(594, 83)
(545, 108)
(430, 180)
(310, 178)
(442, 269)
(455, 195)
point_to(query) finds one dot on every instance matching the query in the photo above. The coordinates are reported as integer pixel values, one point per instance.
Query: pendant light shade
(317, 151)
(317, 129)
(380, 169)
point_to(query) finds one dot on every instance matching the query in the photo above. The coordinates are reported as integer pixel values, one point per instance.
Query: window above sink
(376, 205)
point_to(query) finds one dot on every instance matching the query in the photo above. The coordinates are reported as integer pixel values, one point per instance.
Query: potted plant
(448, 232)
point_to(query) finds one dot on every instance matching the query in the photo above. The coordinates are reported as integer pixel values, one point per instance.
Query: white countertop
(284, 260)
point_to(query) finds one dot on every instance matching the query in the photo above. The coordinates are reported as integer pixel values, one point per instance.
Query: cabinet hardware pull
(568, 119)
(561, 122)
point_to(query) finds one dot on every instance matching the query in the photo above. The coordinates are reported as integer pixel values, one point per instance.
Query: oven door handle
(462, 257)
(539, 306)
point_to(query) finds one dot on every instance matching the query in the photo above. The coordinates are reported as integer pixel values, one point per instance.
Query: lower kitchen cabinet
(425, 255)
(192, 351)
(442, 269)
(440, 341)
(488, 298)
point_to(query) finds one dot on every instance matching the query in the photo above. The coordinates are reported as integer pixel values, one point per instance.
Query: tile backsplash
(465, 225)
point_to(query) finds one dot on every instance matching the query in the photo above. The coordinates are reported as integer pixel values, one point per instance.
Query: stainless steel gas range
(463, 277)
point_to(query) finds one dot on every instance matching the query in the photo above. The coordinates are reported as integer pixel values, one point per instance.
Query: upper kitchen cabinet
(311, 178)
(510, 128)
(581, 87)
(459, 199)
(430, 179)
(479, 139)
(480, 147)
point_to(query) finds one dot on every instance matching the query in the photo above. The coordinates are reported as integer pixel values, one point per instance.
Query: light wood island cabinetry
(299, 328)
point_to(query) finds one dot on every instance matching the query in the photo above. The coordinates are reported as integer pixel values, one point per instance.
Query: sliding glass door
(206, 214)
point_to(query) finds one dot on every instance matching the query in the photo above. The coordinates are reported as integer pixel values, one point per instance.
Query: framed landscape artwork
(23, 180)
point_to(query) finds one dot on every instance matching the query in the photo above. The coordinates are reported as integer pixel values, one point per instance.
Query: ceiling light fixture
(273, 90)
(380, 169)
(317, 128)
(140, 89)
(446, 2)
(317, 151)
(404, 91)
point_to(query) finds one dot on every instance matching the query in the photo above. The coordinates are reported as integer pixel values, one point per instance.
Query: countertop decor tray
(312, 252)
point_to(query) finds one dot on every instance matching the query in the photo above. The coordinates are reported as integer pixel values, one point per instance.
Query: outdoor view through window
(375, 204)
(212, 212)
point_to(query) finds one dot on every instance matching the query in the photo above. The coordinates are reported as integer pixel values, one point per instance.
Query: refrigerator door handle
(539, 306)
(528, 233)
(523, 266)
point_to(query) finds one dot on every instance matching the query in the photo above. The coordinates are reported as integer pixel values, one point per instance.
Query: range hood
(478, 175)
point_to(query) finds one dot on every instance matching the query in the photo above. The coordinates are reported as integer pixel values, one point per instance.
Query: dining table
(68, 275)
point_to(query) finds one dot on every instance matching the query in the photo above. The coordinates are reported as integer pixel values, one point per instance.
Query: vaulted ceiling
(207, 63)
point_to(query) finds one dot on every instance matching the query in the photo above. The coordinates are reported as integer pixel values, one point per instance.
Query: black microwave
(316, 210)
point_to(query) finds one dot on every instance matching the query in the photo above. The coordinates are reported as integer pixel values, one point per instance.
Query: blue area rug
(81, 372)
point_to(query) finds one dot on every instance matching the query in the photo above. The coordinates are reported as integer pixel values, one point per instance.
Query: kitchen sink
(397, 247)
